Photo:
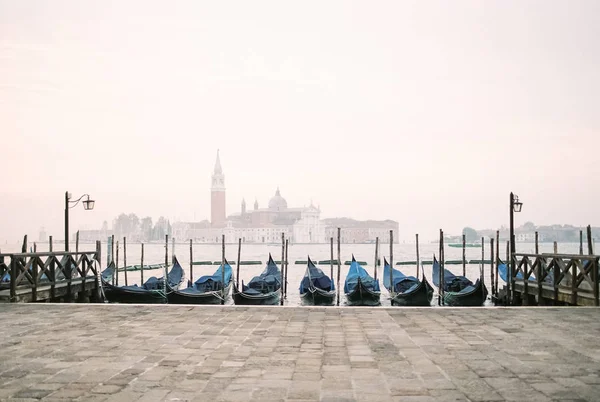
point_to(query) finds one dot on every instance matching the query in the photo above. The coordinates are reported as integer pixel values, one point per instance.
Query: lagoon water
(154, 253)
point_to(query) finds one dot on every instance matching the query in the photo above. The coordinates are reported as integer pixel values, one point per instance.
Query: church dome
(277, 202)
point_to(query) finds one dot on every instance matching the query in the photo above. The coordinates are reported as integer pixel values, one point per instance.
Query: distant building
(354, 231)
(217, 196)
(265, 225)
(43, 237)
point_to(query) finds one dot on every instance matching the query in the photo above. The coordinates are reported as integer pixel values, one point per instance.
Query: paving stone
(214, 353)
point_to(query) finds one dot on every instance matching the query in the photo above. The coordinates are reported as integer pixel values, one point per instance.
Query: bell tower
(217, 195)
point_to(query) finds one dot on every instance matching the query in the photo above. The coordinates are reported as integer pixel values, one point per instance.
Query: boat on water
(152, 291)
(263, 289)
(467, 245)
(208, 289)
(459, 291)
(407, 290)
(316, 288)
(360, 288)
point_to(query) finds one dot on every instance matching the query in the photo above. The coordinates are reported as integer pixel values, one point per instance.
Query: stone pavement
(213, 353)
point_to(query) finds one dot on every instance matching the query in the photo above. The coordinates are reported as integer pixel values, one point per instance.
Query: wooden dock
(50, 276)
(554, 279)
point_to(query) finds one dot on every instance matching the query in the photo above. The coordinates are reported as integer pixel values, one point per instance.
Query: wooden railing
(565, 274)
(47, 271)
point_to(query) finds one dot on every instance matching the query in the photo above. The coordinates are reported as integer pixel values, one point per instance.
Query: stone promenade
(183, 353)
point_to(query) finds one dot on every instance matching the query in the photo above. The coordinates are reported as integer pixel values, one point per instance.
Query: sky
(425, 112)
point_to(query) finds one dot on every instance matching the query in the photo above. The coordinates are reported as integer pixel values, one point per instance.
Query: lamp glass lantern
(517, 205)
(88, 204)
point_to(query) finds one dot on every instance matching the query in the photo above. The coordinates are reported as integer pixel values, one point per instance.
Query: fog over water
(428, 113)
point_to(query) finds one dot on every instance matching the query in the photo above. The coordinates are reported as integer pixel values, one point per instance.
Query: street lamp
(87, 205)
(515, 206)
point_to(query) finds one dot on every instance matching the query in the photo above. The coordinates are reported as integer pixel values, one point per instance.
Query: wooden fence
(559, 278)
(31, 277)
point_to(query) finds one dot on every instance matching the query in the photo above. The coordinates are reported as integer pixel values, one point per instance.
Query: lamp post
(515, 206)
(87, 205)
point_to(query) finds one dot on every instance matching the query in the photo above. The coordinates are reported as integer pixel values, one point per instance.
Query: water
(155, 253)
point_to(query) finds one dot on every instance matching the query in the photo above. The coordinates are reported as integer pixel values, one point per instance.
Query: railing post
(492, 283)
(574, 282)
(98, 270)
(555, 278)
(595, 281)
(34, 277)
(525, 264)
(13, 279)
(541, 268)
(68, 276)
(52, 270)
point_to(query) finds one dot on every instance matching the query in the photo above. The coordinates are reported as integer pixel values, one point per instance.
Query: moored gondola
(152, 291)
(207, 289)
(459, 291)
(316, 288)
(407, 290)
(261, 290)
(360, 288)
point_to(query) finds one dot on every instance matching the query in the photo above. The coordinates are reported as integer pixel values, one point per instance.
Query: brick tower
(217, 196)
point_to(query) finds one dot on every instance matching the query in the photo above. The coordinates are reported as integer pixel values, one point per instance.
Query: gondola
(459, 290)
(316, 288)
(152, 291)
(407, 290)
(261, 290)
(360, 288)
(207, 289)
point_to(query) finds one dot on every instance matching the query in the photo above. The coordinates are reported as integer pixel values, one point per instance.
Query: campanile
(217, 196)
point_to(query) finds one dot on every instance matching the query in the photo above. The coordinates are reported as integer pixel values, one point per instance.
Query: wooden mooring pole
(441, 273)
(142, 266)
(172, 249)
(481, 267)
(492, 283)
(331, 258)
(375, 264)
(282, 268)
(287, 241)
(443, 263)
(339, 260)
(508, 271)
(391, 261)
(191, 281)
(594, 272)
(581, 242)
(555, 247)
(24, 246)
(418, 260)
(112, 256)
(124, 258)
(117, 266)
(166, 263)
(497, 258)
(537, 243)
(222, 268)
(76, 245)
(464, 254)
(237, 275)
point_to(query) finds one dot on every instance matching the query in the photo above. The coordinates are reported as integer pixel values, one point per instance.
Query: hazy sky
(426, 112)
